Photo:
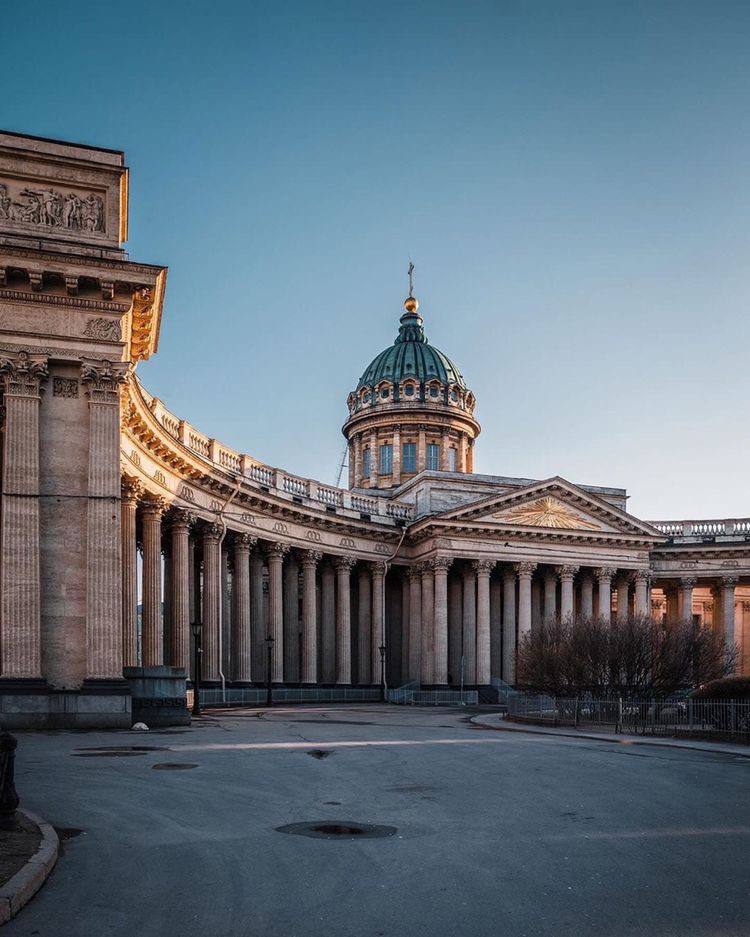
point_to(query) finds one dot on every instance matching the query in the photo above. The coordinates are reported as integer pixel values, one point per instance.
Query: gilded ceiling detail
(546, 512)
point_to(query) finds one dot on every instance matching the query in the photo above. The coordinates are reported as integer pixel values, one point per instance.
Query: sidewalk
(41, 857)
(499, 723)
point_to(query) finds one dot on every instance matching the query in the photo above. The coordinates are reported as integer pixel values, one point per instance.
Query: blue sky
(572, 181)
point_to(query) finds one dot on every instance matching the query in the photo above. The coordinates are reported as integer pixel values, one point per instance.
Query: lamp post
(269, 694)
(382, 672)
(197, 628)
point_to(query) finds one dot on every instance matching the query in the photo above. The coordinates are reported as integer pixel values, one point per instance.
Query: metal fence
(720, 719)
(411, 695)
(257, 696)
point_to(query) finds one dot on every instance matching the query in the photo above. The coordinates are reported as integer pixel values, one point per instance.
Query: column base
(33, 704)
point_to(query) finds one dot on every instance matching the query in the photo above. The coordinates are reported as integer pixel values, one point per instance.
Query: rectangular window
(409, 457)
(433, 457)
(386, 459)
(366, 466)
(451, 460)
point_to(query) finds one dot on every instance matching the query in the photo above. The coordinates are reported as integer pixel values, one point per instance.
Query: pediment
(552, 505)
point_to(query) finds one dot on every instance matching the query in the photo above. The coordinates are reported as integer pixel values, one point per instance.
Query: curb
(531, 729)
(22, 887)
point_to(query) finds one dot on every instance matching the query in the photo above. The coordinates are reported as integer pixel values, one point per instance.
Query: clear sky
(571, 179)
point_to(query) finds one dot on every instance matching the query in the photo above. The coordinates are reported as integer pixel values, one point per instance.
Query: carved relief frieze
(347, 542)
(64, 387)
(280, 528)
(135, 458)
(52, 299)
(247, 519)
(45, 207)
(187, 494)
(107, 330)
(160, 477)
(313, 535)
(546, 512)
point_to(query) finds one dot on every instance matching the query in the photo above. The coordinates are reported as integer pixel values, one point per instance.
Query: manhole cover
(173, 766)
(338, 829)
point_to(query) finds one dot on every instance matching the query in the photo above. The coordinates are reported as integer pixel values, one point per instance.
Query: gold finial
(411, 303)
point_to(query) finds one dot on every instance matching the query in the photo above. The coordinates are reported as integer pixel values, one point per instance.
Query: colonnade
(456, 452)
(448, 621)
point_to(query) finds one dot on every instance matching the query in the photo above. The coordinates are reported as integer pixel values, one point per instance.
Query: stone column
(685, 598)
(358, 460)
(462, 452)
(550, 595)
(604, 576)
(343, 621)
(587, 595)
(566, 574)
(623, 596)
(525, 571)
(509, 625)
(642, 592)
(455, 626)
(482, 568)
(131, 491)
(496, 627)
(310, 560)
(365, 663)
(259, 655)
(20, 606)
(428, 623)
(469, 455)
(441, 565)
(242, 639)
(373, 460)
(351, 460)
(377, 635)
(728, 584)
(470, 626)
(422, 448)
(328, 631)
(536, 602)
(211, 537)
(444, 451)
(152, 630)
(291, 619)
(415, 623)
(179, 646)
(275, 558)
(404, 626)
(396, 477)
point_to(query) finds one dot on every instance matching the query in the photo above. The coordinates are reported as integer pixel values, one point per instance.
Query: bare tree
(633, 657)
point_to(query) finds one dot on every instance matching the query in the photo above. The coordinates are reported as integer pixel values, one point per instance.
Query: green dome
(411, 355)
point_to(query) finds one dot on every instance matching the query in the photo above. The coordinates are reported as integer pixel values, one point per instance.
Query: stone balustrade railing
(265, 475)
(700, 529)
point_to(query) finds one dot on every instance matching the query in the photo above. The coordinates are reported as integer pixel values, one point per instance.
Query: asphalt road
(497, 833)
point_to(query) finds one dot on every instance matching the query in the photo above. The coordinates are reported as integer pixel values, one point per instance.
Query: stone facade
(439, 569)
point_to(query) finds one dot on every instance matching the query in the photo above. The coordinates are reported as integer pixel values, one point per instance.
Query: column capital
(211, 532)
(524, 569)
(729, 580)
(153, 505)
(344, 564)
(567, 571)
(131, 488)
(311, 557)
(687, 582)
(378, 567)
(414, 573)
(276, 548)
(180, 518)
(442, 563)
(605, 572)
(643, 575)
(483, 567)
(23, 374)
(102, 380)
(243, 543)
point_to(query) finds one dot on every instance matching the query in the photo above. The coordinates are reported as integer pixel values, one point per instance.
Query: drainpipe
(223, 523)
(387, 564)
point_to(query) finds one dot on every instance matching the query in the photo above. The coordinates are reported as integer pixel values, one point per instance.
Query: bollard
(8, 795)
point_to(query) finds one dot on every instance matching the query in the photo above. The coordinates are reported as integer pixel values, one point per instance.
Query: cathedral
(129, 538)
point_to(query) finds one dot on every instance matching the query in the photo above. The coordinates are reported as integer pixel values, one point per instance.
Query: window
(386, 459)
(433, 456)
(384, 393)
(454, 395)
(451, 460)
(366, 398)
(409, 390)
(366, 463)
(409, 457)
(434, 391)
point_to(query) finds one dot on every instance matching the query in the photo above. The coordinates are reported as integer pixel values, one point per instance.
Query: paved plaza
(496, 832)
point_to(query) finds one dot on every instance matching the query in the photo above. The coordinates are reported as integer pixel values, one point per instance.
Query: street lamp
(382, 672)
(197, 628)
(269, 696)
